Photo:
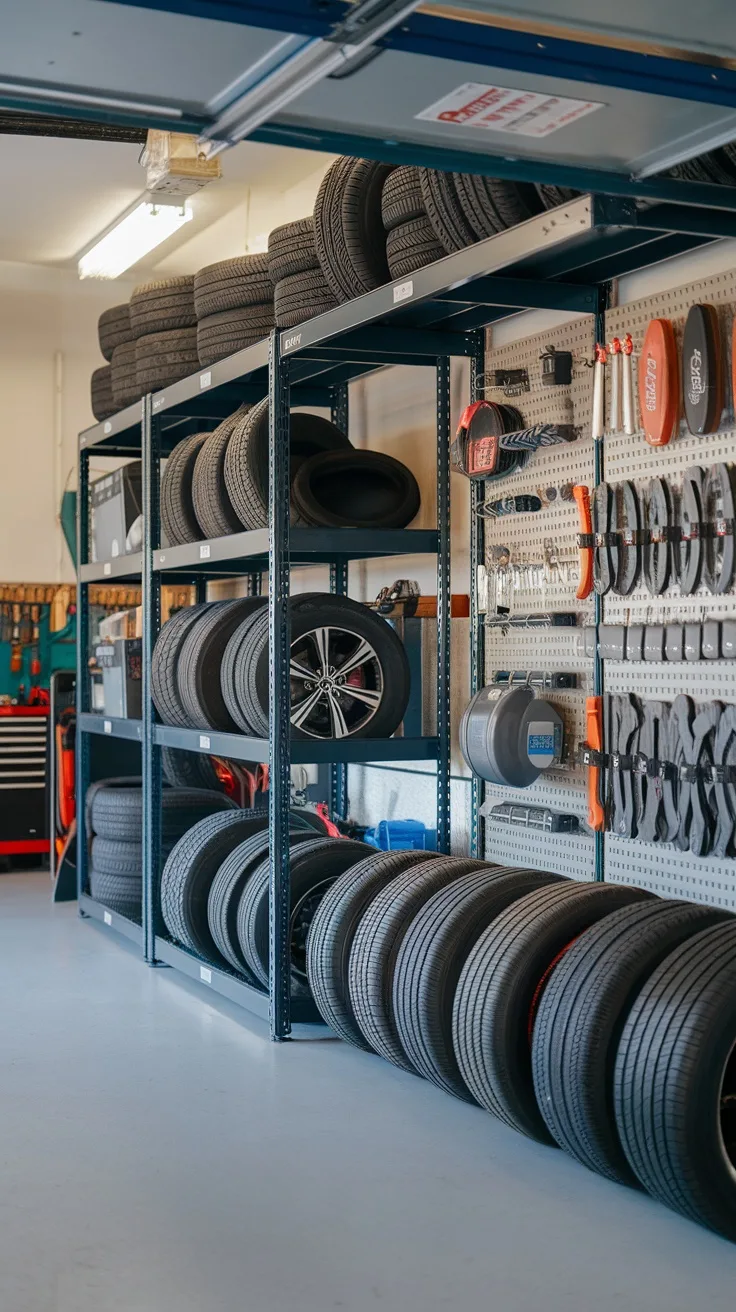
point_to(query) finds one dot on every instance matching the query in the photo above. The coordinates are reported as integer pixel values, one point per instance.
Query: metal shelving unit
(555, 261)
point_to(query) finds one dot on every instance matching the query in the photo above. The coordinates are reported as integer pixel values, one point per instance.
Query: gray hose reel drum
(509, 736)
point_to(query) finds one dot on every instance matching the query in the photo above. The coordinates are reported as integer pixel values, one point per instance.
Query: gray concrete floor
(158, 1154)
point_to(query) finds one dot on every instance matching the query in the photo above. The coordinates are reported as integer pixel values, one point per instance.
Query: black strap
(691, 525)
(657, 555)
(604, 566)
(649, 787)
(718, 511)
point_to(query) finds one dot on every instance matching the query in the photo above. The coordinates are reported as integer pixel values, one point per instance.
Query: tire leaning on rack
(212, 506)
(314, 865)
(165, 661)
(444, 211)
(178, 518)
(348, 228)
(359, 489)
(332, 932)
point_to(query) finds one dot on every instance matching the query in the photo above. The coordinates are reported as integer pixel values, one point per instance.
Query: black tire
(227, 889)
(492, 204)
(385, 672)
(675, 1081)
(291, 249)
(221, 335)
(165, 662)
(411, 246)
(553, 196)
(333, 930)
(237, 646)
(431, 957)
(212, 506)
(101, 398)
(302, 296)
(349, 233)
(191, 867)
(117, 813)
(163, 358)
(118, 893)
(501, 984)
(113, 329)
(115, 781)
(444, 211)
(246, 459)
(231, 284)
(124, 376)
(184, 769)
(356, 489)
(162, 306)
(200, 658)
(178, 518)
(315, 864)
(581, 1016)
(401, 198)
(110, 857)
(376, 945)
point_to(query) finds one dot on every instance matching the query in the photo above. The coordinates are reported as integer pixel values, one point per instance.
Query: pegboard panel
(542, 575)
(669, 872)
(704, 680)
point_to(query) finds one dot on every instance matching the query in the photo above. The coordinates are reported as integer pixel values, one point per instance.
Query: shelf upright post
(279, 720)
(339, 414)
(604, 293)
(443, 604)
(82, 753)
(150, 751)
(477, 621)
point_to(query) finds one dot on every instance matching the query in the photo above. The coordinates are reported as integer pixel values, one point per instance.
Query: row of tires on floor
(349, 672)
(592, 1016)
(371, 222)
(216, 483)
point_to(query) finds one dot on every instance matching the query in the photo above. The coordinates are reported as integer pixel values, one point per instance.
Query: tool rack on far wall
(561, 260)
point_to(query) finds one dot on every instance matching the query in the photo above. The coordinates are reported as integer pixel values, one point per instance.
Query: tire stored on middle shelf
(359, 489)
(212, 506)
(411, 246)
(178, 517)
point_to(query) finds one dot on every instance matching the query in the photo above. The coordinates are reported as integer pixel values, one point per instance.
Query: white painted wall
(48, 330)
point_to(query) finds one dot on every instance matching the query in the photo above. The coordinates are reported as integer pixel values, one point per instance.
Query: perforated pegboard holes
(572, 855)
(670, 873)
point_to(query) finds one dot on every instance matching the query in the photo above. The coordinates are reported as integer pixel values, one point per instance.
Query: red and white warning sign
(503, 109)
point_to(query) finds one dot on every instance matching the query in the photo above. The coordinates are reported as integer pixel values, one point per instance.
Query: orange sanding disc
(659, 383)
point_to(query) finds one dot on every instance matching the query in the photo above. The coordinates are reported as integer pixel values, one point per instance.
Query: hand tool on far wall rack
(585, 541)
(627, 390)
(614, 416)
(659, 383)
(718, 513)
(630, 537)
(599, 391)
(534, 817)
(663, 533)
(702, 370)
(591, 756)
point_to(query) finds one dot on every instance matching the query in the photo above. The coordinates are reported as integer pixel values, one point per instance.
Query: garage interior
(367, 624)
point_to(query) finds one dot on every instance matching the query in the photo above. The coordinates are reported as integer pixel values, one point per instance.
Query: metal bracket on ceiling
(346, 47)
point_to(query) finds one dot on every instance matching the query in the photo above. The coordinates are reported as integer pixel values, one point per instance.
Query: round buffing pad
(508, 735)
(659, 383)
(702, 370)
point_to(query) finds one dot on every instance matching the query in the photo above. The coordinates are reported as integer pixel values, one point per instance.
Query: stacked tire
(349, 671)
(114, 811)
(301, 290)
(112, 386)
(233, 301)
(164, 325)
(591, 1016)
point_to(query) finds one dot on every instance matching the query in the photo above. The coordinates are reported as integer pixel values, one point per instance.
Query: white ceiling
(59, 193)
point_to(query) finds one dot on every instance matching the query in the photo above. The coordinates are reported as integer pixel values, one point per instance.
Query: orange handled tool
(594, 729)
(585, 541)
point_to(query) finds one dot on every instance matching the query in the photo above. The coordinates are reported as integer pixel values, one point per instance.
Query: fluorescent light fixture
(139, 231)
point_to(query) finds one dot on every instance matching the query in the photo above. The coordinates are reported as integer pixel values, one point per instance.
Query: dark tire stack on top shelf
(164, 323)
(111, 385)
(593, 1016)
(234, 306)
(301, 290)
(351, 675)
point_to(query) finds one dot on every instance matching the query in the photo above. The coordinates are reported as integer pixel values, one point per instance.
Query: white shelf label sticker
(507, 109)
(107, 568)
(204, 742)
(204, 551)
(108, 427)
(205, 974)
(205, 380)
(108, 726)
(107, 917)
(403, 291)
(161, 557)
(161, 400)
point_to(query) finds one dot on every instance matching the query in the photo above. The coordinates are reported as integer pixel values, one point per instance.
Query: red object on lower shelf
(24, 846)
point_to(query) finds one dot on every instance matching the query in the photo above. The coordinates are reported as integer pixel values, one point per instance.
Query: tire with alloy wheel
(355, 489)
(314, 865)
(349, 671)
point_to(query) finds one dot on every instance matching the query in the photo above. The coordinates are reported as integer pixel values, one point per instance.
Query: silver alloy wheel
(336, 682)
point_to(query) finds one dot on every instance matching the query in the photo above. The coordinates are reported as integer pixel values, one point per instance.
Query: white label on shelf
(204, 551)
(159, 401)
(291, 343)
(107, 428)
(403, 291)
(205, 380)
(108, 726)
(204, 742)
(107, 917)
(205, 974)
(507, 109)
(115, 547)
(107, 568)
(161, 557)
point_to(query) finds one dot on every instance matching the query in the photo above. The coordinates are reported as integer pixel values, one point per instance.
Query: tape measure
(509, 735)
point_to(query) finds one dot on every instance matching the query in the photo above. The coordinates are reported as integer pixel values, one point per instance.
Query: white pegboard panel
(543, 575)
(669, 872)
(704, 680)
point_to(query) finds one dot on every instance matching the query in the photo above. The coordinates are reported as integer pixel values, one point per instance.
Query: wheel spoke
(321, 640)
(363, 653)
(339, 723)
(367, 695)
(299, 671)
(302, 711)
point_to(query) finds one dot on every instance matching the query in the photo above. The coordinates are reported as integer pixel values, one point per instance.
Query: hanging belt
(649, 781)
(724, 782)
(626, 523)
(692, 530)
(625, 731)
(662, 532)
(694, 761)
(718, 511)
(604, 566)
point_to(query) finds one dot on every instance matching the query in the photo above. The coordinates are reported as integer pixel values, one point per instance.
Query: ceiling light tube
(134, 235)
